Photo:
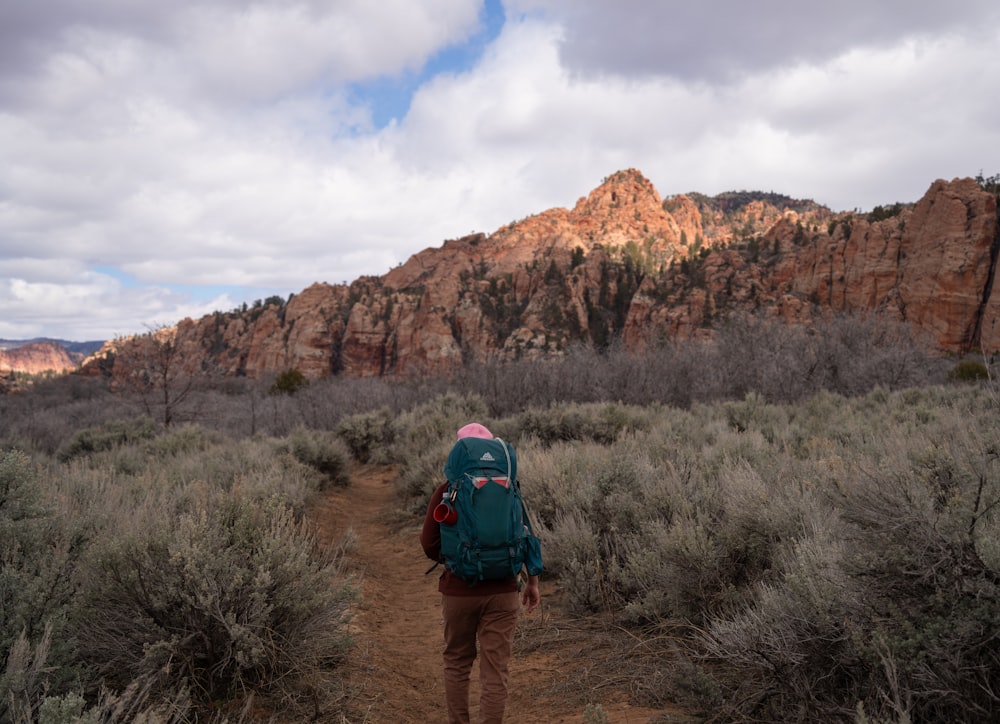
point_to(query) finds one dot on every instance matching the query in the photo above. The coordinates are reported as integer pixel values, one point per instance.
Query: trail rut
(395, 672)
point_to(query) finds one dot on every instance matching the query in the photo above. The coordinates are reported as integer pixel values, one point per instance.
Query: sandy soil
(396, 673)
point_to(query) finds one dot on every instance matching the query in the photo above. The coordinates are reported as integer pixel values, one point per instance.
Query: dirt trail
(396, 673)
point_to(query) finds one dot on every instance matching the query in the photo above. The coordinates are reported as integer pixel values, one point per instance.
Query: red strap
(481, 480)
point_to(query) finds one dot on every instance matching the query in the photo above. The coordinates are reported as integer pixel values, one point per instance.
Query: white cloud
(93, 306)
(225, 145)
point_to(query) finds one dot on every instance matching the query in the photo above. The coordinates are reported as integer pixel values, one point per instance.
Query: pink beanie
(474, 429)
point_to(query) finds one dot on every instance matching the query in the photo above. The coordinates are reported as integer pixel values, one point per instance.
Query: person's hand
(531, 596)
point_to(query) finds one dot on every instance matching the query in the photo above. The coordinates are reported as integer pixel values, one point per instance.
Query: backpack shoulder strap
(506, 451)
(516, 486)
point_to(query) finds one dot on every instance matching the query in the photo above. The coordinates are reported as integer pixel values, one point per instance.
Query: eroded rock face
(931, 265)
(625, 263)
(948, 258)
(37, 358)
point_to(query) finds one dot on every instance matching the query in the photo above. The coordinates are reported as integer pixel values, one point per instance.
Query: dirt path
(396, 673)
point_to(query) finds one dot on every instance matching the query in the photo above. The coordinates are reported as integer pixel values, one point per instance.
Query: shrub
(229, 599)
(772, 543)
(106, 437)
(882, 607)
(599, 422)
(289, 382)
(44, 417)
(595, 714)
(647, 529)
(968, 370)
(132, 705)
(752, 413)
(931, 592)
(368, 435)
(72, 535)
(428, 424)
(421, 441)
(420, 476)
(37, 555)
(23, 682)
(773, 649)
(323, 452)
(185, 440)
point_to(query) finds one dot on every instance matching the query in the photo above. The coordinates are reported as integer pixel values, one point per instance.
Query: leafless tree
(149, 369)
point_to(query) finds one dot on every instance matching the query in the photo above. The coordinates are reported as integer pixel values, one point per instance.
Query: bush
(107, 437)
(289, 382)
(369, 436)
(231, 599)
(923, 544)
(421, 441)
(421, 475)
(426, 425)
(968, 371)
(643, 532)
(599, 422)
(771, 652)
(37, 557)
(803, 562)
(882, 606)
(44, 417)
(23, 682)
(181, 441)
(199, 559)
(132, 705)
(324, 453)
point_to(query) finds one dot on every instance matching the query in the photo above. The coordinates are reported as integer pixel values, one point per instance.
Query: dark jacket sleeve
(430, 534)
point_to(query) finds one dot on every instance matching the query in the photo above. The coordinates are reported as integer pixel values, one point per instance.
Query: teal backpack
(485, 530)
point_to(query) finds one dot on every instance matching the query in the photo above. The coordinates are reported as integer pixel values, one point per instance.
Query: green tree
(553, 275)
(289, 382)
(989, 183)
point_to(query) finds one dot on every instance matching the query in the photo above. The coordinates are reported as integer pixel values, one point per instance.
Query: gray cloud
(718, 40)
(228, 50)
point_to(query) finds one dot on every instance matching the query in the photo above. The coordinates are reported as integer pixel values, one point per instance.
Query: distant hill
(39, 355)
(84, 348)
(622, 266)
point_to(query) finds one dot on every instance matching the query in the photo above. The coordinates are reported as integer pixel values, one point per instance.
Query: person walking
(478, 609)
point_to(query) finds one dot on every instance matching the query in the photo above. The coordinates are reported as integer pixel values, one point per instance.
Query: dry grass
(708, 554)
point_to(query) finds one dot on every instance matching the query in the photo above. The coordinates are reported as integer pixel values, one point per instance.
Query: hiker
(478, 603)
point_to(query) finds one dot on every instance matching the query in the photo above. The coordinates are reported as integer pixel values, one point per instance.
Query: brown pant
(491, 620)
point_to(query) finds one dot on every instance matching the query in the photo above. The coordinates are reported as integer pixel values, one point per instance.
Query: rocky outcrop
(625, 264)
(931, 265)
(37, 358)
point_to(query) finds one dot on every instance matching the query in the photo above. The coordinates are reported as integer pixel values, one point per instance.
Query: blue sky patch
(194, 292)
(389, 96)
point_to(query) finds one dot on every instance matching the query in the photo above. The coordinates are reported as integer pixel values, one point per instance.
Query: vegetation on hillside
(730, 202)
(148, 576)
(773, 525)
(989, 183)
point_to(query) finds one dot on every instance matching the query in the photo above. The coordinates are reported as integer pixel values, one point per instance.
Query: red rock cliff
(625, 263)
(36, 358)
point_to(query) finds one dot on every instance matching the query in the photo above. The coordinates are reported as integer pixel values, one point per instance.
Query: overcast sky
(160, 160)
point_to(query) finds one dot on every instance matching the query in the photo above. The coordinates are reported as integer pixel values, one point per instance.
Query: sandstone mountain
(623, 264)
(38, 357)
